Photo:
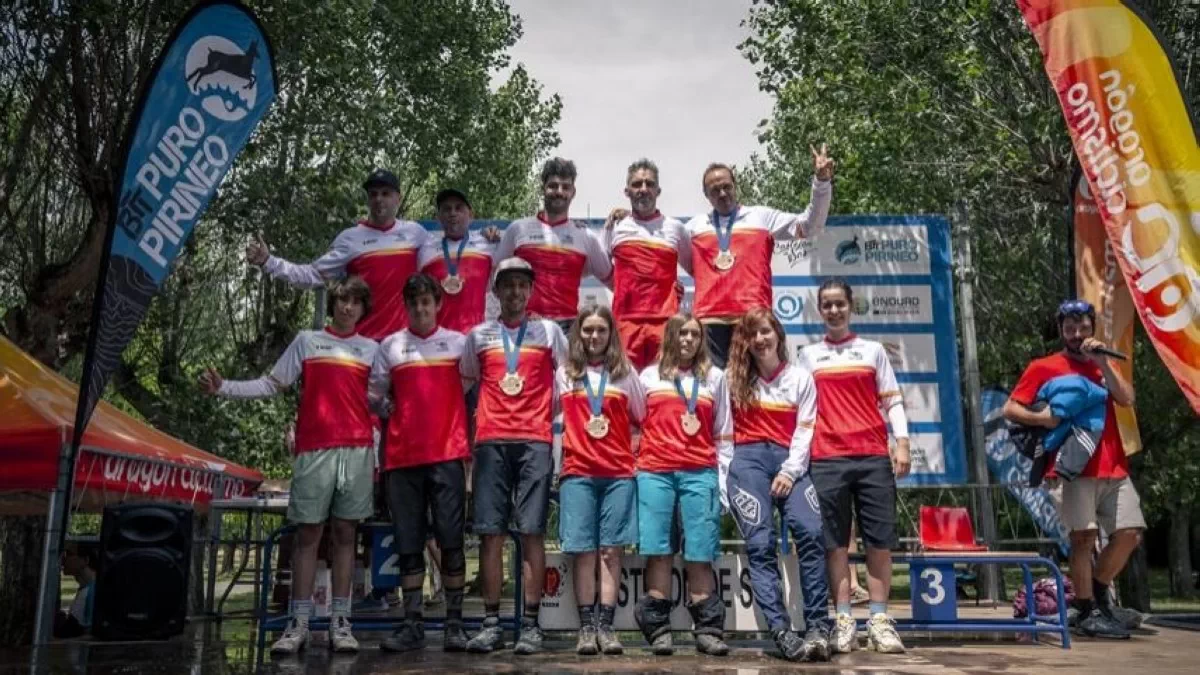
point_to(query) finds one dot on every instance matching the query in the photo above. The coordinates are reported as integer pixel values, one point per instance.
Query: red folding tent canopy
(121, 457)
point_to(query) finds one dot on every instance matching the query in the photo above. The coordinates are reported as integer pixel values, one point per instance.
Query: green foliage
(928, 104)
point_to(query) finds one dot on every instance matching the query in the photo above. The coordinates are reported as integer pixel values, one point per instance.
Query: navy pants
(754, 467)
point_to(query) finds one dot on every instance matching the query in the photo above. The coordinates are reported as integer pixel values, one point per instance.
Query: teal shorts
(337, 482)
(697, 494)
(596, 512)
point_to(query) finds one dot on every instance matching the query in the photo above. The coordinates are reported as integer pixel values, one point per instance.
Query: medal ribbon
(724, 236)
(512, 352)
(452, 265)
(690, 401)
(595, 396)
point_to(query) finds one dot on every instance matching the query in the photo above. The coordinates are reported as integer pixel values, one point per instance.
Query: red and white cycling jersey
(561, 254)
(665, 446)
(855, 381)
(334, 370)
(421, 376)
(464, 310)
(528, 415)
(645, 256)
(783, 413)
(624, 405)
(384, 257)
(724, 295)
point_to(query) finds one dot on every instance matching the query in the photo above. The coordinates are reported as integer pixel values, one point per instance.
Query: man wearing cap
(514, 358)
(381, 249)
(562, 251)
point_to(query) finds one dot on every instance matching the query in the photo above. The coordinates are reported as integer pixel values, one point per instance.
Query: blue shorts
(699, 501)
(595, 512)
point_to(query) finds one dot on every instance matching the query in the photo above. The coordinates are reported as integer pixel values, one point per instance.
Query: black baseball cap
(381, 177)
(447, 193)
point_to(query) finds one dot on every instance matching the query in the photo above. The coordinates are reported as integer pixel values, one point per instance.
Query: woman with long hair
(687, 426)
(851, 462)
(774, 409)
(601, 400)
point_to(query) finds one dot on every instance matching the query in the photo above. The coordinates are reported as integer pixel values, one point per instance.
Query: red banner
(1137, 143)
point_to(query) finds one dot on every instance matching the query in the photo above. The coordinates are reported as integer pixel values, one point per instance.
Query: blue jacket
(1078, 402)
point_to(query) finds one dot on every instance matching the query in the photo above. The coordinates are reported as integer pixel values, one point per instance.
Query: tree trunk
(1179, 553)
(21, 540)
(1134, 581)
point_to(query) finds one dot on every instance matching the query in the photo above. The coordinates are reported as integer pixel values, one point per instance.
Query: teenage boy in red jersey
(334, 465)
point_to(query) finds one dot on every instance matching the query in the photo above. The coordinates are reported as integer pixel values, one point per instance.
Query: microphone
(1111, 353)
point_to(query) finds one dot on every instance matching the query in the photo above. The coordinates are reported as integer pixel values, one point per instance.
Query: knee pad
(653, 616)
(411, 564)
(708, 615)
(454, 563)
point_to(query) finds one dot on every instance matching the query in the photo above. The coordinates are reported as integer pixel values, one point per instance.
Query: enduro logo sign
(223, 75)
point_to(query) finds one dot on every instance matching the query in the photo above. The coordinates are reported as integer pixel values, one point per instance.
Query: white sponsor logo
(748, 506)
(223, 75)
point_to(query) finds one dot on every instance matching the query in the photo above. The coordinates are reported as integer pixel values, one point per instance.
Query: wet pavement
(203, 650)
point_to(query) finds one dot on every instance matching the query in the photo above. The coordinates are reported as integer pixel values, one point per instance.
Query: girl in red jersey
(774, 408)
(601, 399)
(851, 463)
(687, 427)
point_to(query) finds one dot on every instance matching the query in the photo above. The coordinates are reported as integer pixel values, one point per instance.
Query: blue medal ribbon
(690, 401)
(512, 353)
(452, 265)
(724, 236)
(595, 397)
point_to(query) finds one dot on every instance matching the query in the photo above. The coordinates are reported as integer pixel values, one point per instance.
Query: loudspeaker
(142, 584)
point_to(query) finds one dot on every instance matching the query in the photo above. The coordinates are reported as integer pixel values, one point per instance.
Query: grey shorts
(335, 482)
(1092, 503)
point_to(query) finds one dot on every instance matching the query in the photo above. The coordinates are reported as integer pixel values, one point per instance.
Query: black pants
(720, 336)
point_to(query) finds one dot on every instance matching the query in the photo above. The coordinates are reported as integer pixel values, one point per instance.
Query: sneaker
(664, 645)
(882, 636)
(845, 634)
(409, 637)
(293, 639)
(815, 646)
(789, 644)
(489, 638)
(712, 645)
(1100, 625)
(607, 640)
(371, 605)
(530, 640)
(454, 638)
(859, 596)
(586, 645)
(341, 639)
(1072, 617)
(1131, 619)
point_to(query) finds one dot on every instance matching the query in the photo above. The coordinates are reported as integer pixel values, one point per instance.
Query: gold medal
(452, 284)
(723, 261)
(597, 426)
(512, 384)
(690, 423)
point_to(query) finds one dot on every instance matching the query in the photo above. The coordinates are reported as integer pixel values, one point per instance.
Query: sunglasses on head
(1075, 307)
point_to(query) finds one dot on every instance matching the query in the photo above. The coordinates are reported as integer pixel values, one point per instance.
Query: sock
(1084, 605)
(587, 615)
(301, 611)
(606, 615)
(1100, 595)
(843, 608)
(340, 607)
(877, 608)
(454, 600)
(491, 612)
(413, 603)
(531, 615)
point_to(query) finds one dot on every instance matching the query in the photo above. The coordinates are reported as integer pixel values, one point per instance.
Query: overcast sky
(656, 78)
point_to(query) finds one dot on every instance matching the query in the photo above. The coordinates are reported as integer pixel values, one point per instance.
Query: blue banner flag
(212, 83)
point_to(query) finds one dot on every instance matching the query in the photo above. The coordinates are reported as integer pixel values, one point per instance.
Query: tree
(927, 103)
(424, 88)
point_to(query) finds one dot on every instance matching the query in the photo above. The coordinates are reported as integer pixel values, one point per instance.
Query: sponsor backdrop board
(900, 270)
